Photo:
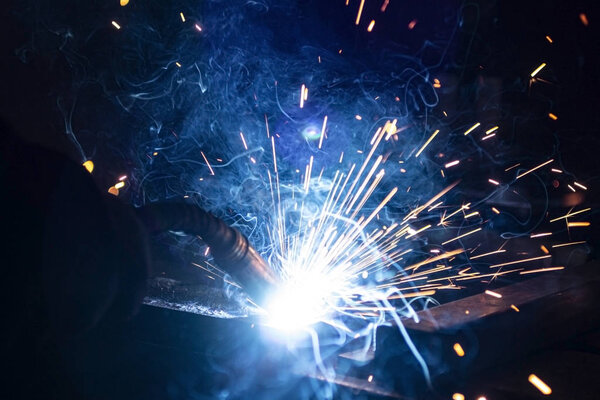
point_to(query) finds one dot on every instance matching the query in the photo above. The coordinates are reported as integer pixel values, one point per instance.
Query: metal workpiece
(528, 317)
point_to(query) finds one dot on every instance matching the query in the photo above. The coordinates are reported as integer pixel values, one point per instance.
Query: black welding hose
(230, 249)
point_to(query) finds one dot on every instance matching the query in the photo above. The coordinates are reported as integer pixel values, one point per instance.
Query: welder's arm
(73, 255)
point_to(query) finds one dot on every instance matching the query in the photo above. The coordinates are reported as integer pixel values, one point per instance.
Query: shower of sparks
(341, 249)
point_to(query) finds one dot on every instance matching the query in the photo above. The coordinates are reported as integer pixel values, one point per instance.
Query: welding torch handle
(230, 249)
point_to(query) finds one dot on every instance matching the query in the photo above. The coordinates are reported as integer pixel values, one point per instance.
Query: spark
(584, 20)
(534, 169)
(494, 209)
(535, 271)
(520, 261)
(207, 163)
(558, 171)
(89, 166)
(552, 116)
(412, 24)
(579, 185)
(452, 164)
(198, 27)
(549, 39)
(384, 5)
(487, 254)
(515, 308)
(267, 126)
(119, 185)
(493, 182)
(458, 349)
(471, 129)
(123, 3)
(303, 95)
(493, 294)
(371, 25)
(461, 236)
(539, 384)
(538, 69)
(116, 24)
(494, 129)
(568, 244)
(536, 235)
(570, 214)
(358, 117)
(323, 132)
(434, 134)
(458, 396)
(578, 224)
(243, 140)
(360, 9)
(182, 17)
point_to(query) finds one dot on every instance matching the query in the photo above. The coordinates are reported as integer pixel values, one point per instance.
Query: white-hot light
(301, 302)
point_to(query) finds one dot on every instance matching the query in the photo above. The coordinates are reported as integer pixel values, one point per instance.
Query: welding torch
(231, 250)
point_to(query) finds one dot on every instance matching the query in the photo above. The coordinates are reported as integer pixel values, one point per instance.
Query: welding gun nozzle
(231, 250)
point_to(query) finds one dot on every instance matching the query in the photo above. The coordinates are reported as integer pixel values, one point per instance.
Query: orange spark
(459, 350)
(89, 165)
(472, 128)
(360, 9)
(538, 69)
(539, 384)
(578, 224)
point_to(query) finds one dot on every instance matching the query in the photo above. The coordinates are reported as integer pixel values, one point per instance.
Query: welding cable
(231, 250)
